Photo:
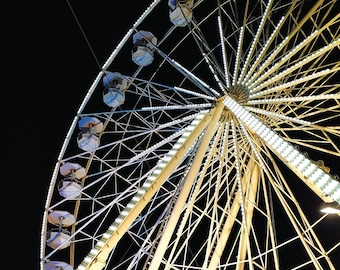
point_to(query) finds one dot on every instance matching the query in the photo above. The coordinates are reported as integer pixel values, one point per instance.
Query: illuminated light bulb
(287, 151)
(291, 156)
(147, 184)
(330, 208)
(315, 176)
(186, 134)
(330, 187)
(141, 191)
(130, 205)
(302, 166)
(106, 235)
(119, 220)
(321, 181)
(94, 251)
(112, 228)
(124, 213)
(172, 152)
(298, 159)
(157, 171)
(336, 195)
(87, 260)
(310, 170)
(100, 243)
(152, 177)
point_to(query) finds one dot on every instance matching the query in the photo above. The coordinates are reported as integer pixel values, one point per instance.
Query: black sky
(47, 68)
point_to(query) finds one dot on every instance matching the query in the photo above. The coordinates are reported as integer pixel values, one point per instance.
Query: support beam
(172, 223)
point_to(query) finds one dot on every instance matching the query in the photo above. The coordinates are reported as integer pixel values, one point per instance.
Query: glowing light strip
(288, 55)
(293, 99)
(299, 46)
(279, 116)
(193, 93)
(308, 169)
(286, 85)
(176, 107)
(255, 40)
(264, 49)
(289, 70)
(224, 53)
(196, 78)
(217, 79)
(237, 60)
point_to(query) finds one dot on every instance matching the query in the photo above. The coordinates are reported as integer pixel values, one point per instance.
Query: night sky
(47, 67)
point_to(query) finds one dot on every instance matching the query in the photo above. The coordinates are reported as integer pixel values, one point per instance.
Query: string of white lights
(279, 116)
(255, 40)
(287, 85)
(238, 53)
(256, 85)
(281, 100)
(288, 152)
(261, 55)
(224, 52)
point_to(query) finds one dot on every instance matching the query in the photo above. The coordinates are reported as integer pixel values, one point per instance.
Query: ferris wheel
(206, 138)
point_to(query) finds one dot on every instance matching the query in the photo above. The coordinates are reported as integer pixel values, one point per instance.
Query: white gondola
(87, 139)
(69, 188)
(144, 43)
(57, 238)
(91, 124)
(57, 265)
(180, 12)
(73, 170)
(61, 218)
(114, 87)
(88, 142)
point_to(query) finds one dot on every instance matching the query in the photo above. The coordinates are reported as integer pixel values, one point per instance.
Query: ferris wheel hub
(239, 92)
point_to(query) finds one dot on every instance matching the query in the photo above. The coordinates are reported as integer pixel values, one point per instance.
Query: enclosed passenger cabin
(57, 265)
(87, 139)
(180, 12)
(114, 88)
(58, 238)
(144, 43)
(73, 170)
(61, 218)
(71, 185)
(88, 142)
(69, 188)
(91, 125)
